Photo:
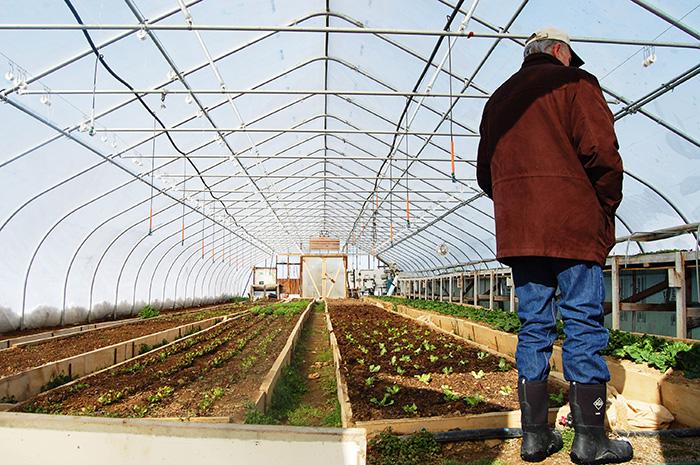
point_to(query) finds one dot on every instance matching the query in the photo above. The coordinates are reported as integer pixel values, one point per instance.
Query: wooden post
(476, 287)
(681, 296)
(615, 283)
(511, 288)
(491, 276)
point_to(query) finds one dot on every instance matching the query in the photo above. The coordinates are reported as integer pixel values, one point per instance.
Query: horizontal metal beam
(248, 129)
(166, 92)
(264, 158)
(324, 30)
(281, 176)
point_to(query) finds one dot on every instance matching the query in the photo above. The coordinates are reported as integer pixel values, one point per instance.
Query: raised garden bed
(33, 354)
(633, 380)
(216, 372)
(396, 368)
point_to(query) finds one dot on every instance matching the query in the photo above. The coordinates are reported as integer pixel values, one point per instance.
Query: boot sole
(603, 461)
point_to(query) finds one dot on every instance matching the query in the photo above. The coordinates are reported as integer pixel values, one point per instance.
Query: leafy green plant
(400, 371)
(417, 449)
(410, 409)
(482, 355)
(161, 393)
(433, 358)
(447, 370)
(375, 368)
(370, 381)
(393, 389)
(477, 374)
(57, 380)
(148, 312)
(474, 400)
(505, 390)
(384, 402)
(557, 399)
(448, 394)
(210, 397)
(424, 378)
(138, 411)
(111, 396)
(503, 365)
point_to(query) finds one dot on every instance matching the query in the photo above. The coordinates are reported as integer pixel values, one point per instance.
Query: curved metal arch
(87, 237)
(426, 182)
(187, 260)
(468, 220)
(619, 217)
(286, 166)
(171, 248)
(161, 85)
(413, 261)
(75, 176)
(426, 211)
(150, 137)
(121, 234)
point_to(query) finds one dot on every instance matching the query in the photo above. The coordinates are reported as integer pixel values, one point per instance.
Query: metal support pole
(491, 279)
(450, 287)
(441, 287)
(461, 288)
(615, 280)
(476, 288)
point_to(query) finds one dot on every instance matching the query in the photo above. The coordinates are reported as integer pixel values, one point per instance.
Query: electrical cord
(116, 76)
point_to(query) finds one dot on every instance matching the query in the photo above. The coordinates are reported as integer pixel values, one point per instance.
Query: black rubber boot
(539, 441)
(591, 444)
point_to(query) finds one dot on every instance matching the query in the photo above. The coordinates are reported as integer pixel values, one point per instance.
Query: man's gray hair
(540, 46)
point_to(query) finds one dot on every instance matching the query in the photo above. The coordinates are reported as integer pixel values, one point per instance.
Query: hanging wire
(153, 168)
(449, 78)
(94, 91)
(184, 190)
(408, 202)
(391, 201)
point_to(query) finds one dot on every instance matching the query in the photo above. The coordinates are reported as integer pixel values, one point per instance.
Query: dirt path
(317, 360)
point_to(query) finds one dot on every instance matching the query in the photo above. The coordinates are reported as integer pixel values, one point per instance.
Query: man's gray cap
(552, 33)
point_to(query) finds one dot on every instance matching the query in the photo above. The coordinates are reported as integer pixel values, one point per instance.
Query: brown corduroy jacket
(548, 158)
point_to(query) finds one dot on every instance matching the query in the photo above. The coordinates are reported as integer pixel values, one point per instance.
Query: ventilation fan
(442, 250)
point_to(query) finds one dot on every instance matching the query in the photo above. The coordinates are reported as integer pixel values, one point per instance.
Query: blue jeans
(581, 307)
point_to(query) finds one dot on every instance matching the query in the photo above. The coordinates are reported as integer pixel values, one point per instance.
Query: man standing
(548, 158)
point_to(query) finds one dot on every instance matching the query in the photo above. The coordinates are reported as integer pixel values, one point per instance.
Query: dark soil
(19, 358)
(213, 374)
(369, 336)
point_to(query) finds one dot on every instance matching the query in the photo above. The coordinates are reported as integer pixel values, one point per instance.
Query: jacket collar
(540, 59)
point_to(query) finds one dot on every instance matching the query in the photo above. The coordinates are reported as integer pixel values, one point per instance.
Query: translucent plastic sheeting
(276, 136)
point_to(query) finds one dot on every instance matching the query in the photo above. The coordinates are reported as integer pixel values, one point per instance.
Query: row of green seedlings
(656, 352)
(111, 396)
(448, 394)
(396, 337)
(62, 378)
(189, 358)
(209, 397)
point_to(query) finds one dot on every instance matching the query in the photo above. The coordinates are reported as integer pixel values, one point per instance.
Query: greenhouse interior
(265, 232)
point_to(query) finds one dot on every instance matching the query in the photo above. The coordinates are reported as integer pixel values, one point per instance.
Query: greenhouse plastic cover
(101, 213)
